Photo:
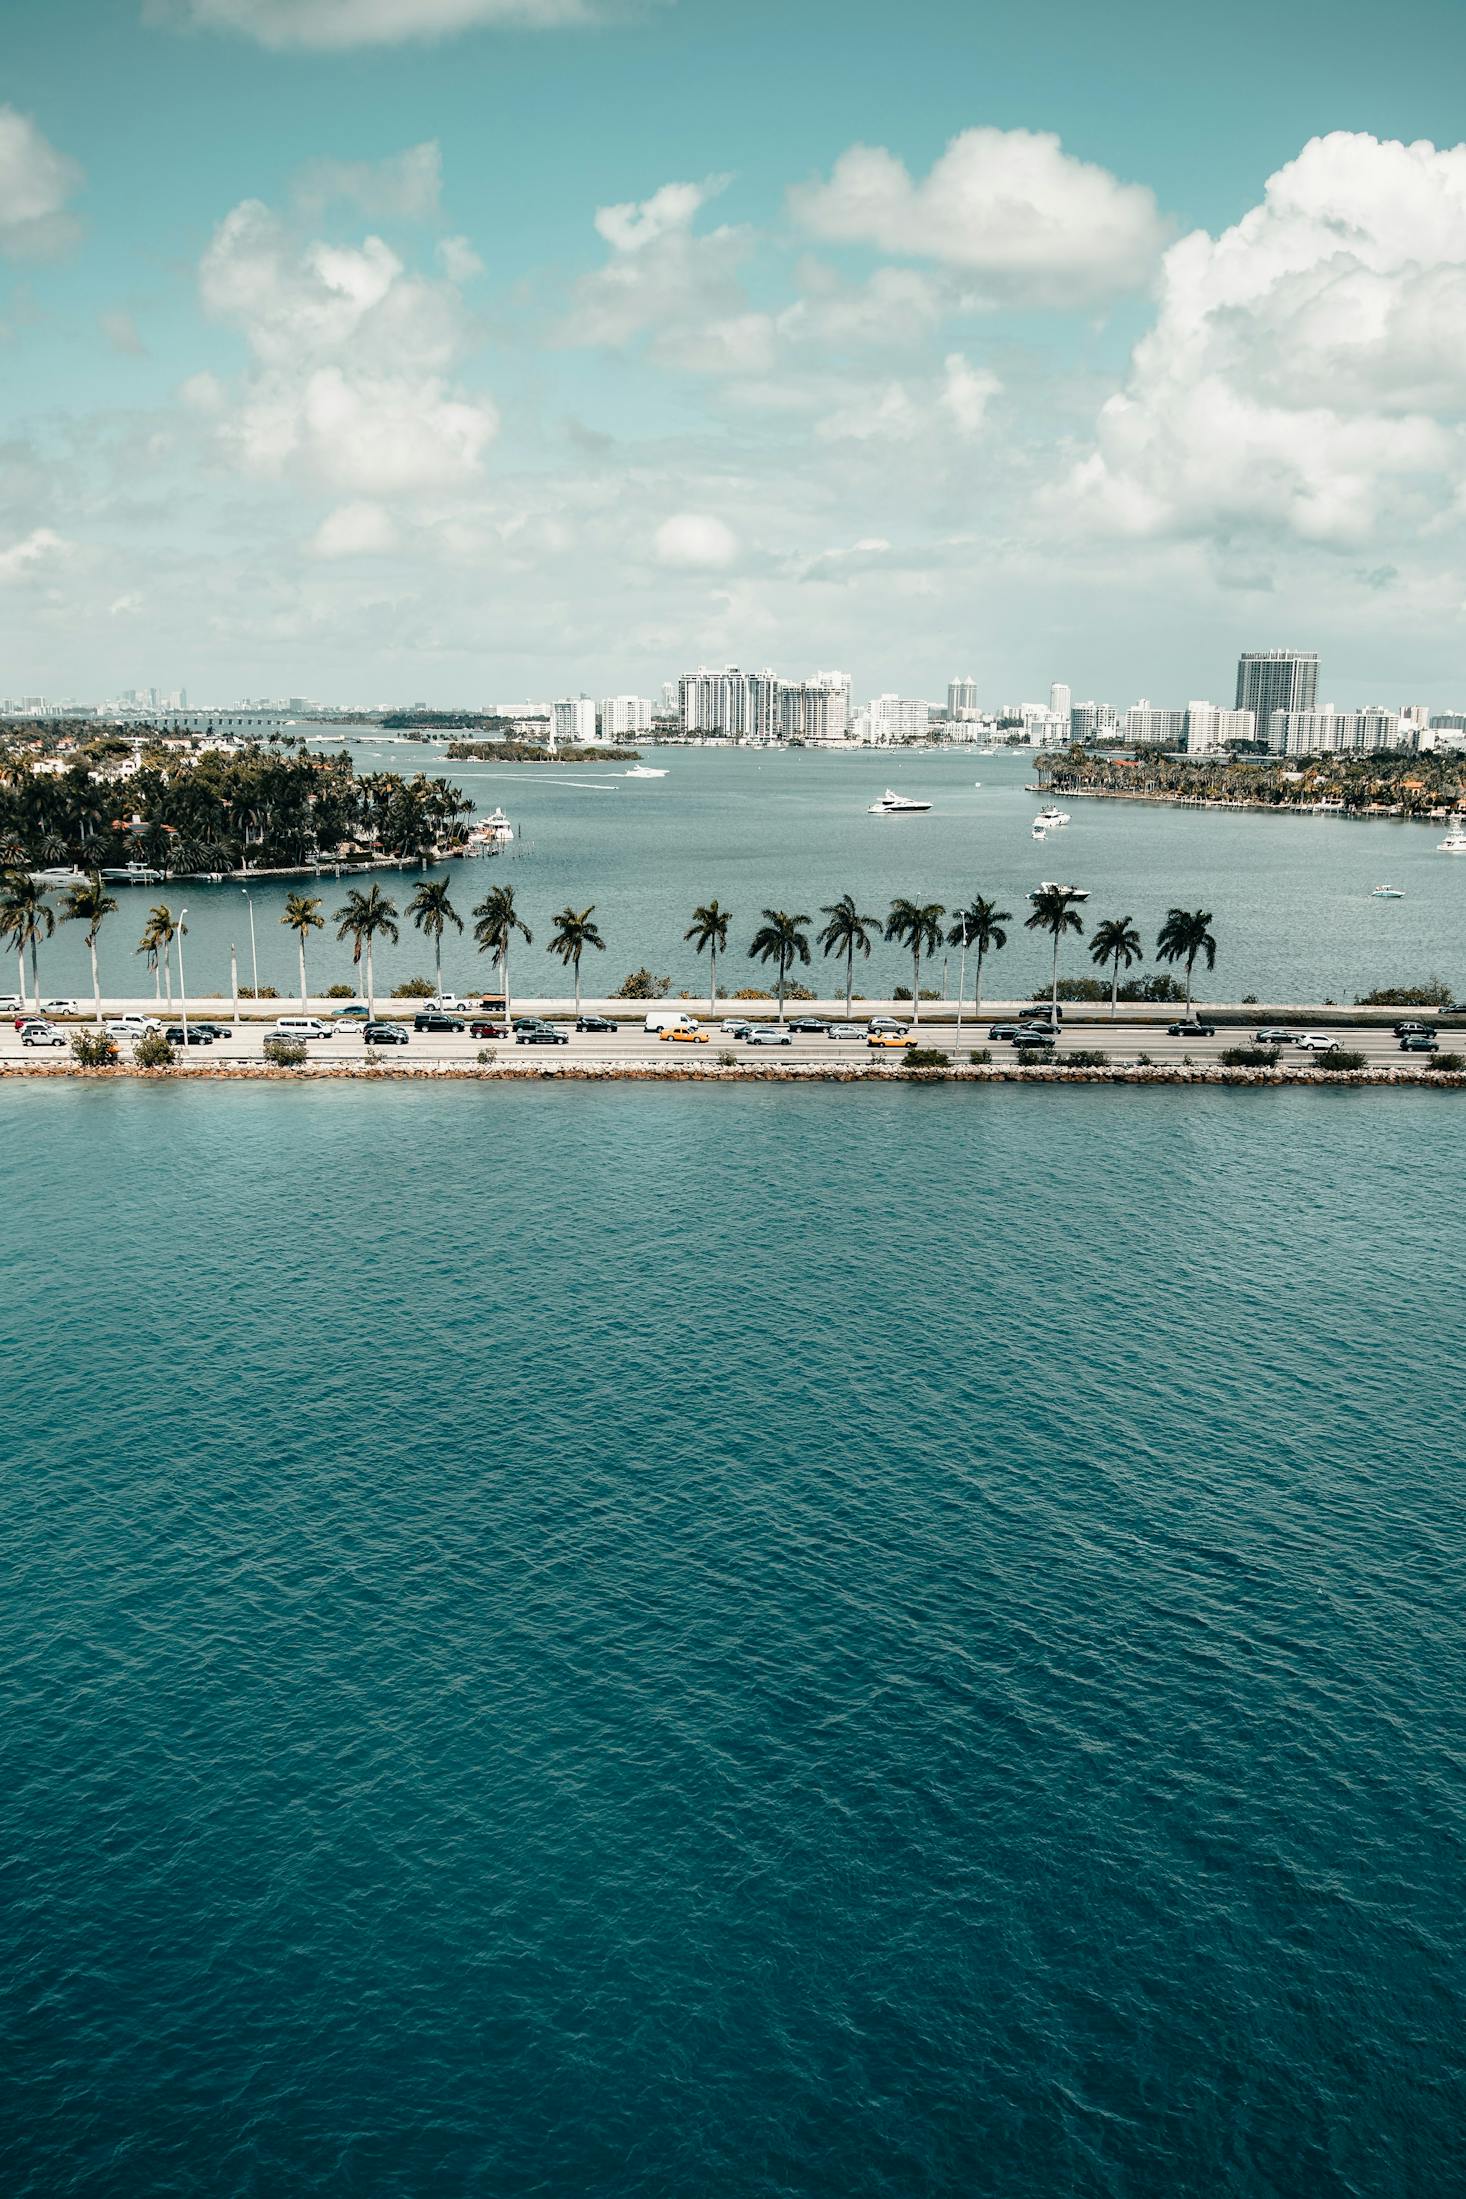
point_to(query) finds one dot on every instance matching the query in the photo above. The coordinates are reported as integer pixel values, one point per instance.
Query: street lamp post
(254, 960)
(182, 983)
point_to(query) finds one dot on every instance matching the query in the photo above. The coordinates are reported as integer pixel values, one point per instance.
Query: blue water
(748, 1642)
(1292, 896)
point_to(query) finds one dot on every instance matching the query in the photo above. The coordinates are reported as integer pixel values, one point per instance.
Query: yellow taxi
(891, 1038)
(691, 1034)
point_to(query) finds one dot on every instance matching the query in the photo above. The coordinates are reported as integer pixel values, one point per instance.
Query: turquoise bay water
(1291, 895)
(752, 1641)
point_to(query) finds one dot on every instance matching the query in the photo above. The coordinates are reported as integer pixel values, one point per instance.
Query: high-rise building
(621, 714)
(573, 721)
(1209, 728)
(1147, 727)
(1271, 680)
(758, 706)
(1061, 702)
(1318, 732)
(962, 698)
(1092, 721)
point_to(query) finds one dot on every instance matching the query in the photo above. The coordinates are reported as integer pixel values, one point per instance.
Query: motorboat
(645, 771)
(490, 833)
(1387, 893)
(1454, 842)
(135, 874)
(1038, 830)
(1050, 885)
(1051, 816)
(892, 804)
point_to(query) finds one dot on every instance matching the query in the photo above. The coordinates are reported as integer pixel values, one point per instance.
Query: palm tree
(1185, 934)
(1055, 910)
(26, 919)
(847, 933)
(432, 912)
(708, 932)
(361, 916)
(1116, 941)
(781, 939)
(303, 916)
(980, 925)
(89, 904)
(498, 921)
(573, 933)
(156, 943)
(918, 925)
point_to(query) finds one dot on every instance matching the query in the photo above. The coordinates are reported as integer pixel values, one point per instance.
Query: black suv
(542, 1034)
(1195, 1029)
(197, 1034)
(430, 1019)
(384, 1034)
(594, 1023)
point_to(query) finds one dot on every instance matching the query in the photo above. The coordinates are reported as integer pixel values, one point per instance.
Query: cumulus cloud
(335, 25)
(696, 542)
(33, 556)
(355, 530)
(1028, 222)
(1307, 368)
(405, 187)
(898, 412)
(36, 186)
(666, 280)
(353, 354)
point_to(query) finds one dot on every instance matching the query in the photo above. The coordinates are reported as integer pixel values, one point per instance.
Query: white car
(1316, 1042)
(59, 1008)
(132, 1026)
(11, 1004)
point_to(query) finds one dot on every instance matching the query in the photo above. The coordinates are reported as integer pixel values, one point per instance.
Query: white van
(301, 1027)
(669, 1019)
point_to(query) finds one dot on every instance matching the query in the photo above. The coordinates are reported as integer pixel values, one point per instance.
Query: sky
(466, 351)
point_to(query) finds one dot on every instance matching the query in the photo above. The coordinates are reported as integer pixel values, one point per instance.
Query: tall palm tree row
(303, 916)
(26, 919)
(979, 925)
(360, 918)
(918, 926)
(1116, 941)
(573, 933)
(1185, 935)
(781, 939)
(498, 921)
(432, 911)
(89, 904)
(847, 933)
(708, 932)
(1055, 910)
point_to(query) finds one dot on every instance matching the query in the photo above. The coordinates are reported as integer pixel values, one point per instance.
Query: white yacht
(1387, 893)
(1454, 842)
(1052, 885)
(490, 833)
(644, 771)
(1051, 816)
(892, 804)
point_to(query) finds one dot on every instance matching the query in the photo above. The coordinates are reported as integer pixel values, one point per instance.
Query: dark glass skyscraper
(1276, 679)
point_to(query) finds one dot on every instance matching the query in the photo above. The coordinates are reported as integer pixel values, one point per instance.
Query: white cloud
(458, 260)
(663, 279)
(30, 558)
(336, 25)
(36, 183)
(895, 412)
(1307, 368)
(966, 394)
(696, 541)
(353, 355)
(1030, 223)
(405, 187)
(355, 530)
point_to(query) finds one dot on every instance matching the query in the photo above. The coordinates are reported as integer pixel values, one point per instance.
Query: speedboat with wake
(645, 771)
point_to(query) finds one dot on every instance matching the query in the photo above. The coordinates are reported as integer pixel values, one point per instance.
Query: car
(356, 1011)
(484, 1027)
(594, 1023)
(59, 1008)
(1270, 1036)
(530, 1023)
(42, 1034)
(1412, 1030)
(429, 1019)
(195, 1035)
(450, 1005)
(1194, 1029)
(1420, 1042)
(10, 1004)
(811, 1026)
(769, 1034)
(216, 1031)
(686, 1034)
(898, 1037)
(1047, 1011)
(132, 1026)
(845, 1030)
(384, 1034)
(544, 1034)
(1031, 1036)
(1005, 1030)
(300, 1027)
(884, 1023)
(1316, 1042)
(735, 1027)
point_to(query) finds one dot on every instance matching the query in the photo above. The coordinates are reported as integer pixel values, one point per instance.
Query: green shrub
(643, 984)
(93, 1049)
(803, 992)
(1431, 995)
(153, 1051)
(1250, 1057)
(727, 1059)
(752, 992)
(265, 992)
(1451, 1064)
(927, 1057)
(486, 1057)
(414, 988)
(1345, 1058)
(1037, 1057)
(337, 992)
(1087, 1057)
(981, 1057)
(284, 1053)
(902, 992)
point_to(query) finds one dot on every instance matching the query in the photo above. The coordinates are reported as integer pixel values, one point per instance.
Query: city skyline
(456, 380)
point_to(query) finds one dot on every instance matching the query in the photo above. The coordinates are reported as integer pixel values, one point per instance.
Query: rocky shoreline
(1401, 1079)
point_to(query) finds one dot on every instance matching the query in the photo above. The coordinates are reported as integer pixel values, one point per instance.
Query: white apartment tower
(573, 721)
(962, 698)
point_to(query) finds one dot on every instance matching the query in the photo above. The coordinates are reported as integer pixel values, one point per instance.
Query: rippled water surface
(750, 1642)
